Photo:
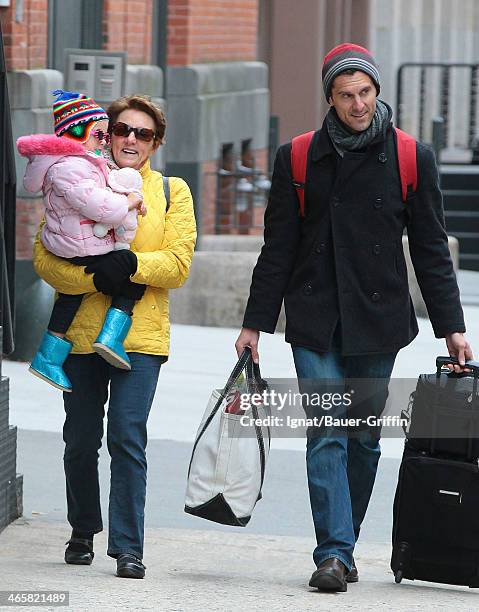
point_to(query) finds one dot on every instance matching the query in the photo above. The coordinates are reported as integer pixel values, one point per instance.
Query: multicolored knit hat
(75, 114)
(348, 57)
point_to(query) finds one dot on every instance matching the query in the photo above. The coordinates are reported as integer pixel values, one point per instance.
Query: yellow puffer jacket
(164, 247)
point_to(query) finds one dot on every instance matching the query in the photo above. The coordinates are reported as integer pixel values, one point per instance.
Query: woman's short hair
(141, 103)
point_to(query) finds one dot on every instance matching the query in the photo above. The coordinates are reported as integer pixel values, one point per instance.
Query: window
(73, 24)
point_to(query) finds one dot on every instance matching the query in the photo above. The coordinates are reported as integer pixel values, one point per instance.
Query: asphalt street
(284, 509)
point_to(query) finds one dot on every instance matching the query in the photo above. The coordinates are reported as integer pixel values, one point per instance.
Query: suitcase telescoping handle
(442, 361)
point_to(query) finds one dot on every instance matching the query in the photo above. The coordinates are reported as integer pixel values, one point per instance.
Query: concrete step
(469, 261)
(468, 242)
(461, 221)
(461, 199)
(459, 177)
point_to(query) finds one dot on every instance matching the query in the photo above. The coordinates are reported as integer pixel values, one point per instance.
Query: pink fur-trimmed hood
(48, 144)
(44, 150)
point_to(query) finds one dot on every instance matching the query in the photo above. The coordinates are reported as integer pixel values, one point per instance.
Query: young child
(83, 197)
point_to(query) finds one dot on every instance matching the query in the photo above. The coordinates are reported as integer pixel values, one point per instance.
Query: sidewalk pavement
(468, 281)
(203, 570)
(209, 569)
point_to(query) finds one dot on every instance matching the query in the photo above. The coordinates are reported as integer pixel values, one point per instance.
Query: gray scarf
(345, 140)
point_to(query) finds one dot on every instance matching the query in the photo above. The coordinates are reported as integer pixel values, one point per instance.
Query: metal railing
(241, 196)
(426, 90)
(7, 214)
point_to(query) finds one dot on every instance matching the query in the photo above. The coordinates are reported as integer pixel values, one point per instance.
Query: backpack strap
(406, 150)
(166, 189)
(299, 158)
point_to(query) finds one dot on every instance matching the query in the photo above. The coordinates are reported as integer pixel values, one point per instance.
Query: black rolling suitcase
(443, 413)
(436, 507)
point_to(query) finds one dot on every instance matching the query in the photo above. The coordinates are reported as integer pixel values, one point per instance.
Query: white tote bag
(228, 460)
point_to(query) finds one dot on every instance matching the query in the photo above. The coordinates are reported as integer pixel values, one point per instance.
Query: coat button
(378, 202)
(376, 249)
(308, 290)
(376, 296)
(382, 158)
(320, 248)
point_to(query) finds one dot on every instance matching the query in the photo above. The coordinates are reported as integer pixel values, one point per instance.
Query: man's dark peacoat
(344, 260)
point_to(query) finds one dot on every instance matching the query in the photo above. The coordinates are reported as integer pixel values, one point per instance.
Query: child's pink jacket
(75, 193)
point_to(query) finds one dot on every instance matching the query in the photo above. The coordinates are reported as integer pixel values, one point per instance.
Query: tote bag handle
(254, 381)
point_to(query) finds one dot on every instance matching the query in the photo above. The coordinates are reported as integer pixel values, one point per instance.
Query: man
(343, 277)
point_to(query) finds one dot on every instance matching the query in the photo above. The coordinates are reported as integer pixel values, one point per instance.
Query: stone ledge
(202, 124)
(245, 244)
(145, 79)
(32, 88)
(221, 77)
(24, 122)
(218, 287)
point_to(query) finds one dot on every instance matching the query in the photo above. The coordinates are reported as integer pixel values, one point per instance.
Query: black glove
(132, 291)
(112, 269)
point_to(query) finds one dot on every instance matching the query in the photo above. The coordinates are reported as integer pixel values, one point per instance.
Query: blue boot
(49, 359)
(109, 343)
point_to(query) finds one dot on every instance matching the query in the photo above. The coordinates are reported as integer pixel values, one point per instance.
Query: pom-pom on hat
(348, 56)
(75, 114)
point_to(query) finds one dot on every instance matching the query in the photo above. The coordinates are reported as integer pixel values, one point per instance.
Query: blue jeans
(341, 470)
(131, 396)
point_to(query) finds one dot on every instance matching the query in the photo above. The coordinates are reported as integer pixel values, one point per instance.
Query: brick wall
(201, 31)
(25, 47)
(25, 41)
(198, 31)
(127, 27)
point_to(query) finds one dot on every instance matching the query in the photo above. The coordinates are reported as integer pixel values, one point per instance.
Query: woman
(162, 249)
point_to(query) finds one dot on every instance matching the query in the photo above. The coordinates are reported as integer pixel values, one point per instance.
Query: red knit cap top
(348, 56)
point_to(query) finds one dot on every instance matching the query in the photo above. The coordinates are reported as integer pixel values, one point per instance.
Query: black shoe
(330, 576)
(353, 575)
(129, 566)
(79, 551)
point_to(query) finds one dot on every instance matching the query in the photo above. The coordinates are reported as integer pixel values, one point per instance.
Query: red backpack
(406, 149)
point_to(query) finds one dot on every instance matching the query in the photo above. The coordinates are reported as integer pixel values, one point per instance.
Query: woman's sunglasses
(123, 129)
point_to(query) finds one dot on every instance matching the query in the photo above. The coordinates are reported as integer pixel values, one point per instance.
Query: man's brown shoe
(353, 575)
(330, 576)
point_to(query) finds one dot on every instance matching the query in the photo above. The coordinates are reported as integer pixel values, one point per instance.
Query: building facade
(197, 58)
(236, 78)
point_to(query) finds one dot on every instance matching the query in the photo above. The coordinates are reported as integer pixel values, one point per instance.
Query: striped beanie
(75, 114)
(348, 57)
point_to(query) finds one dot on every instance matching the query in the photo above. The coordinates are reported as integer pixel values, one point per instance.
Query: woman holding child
(118, 336)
